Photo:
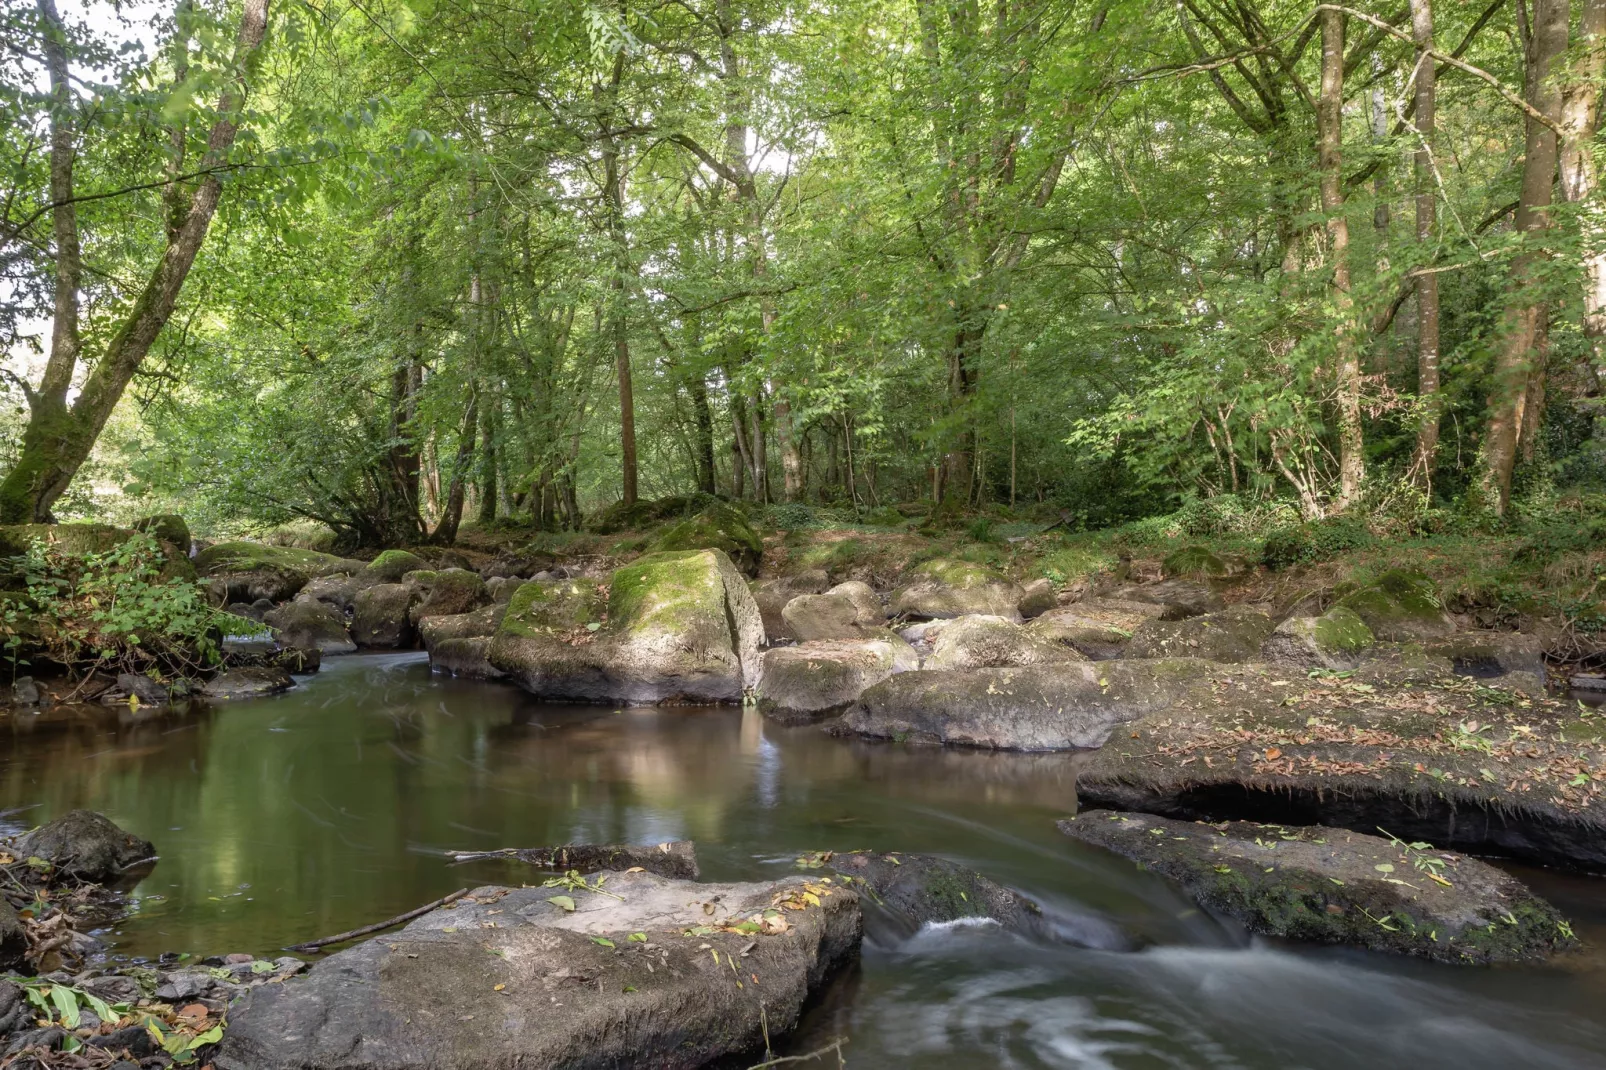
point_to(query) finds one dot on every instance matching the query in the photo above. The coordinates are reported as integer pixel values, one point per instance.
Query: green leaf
(66, 1005)
(603, 940)
(563, 903)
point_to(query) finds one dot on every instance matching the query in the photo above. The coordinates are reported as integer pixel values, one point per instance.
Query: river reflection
(283, 819)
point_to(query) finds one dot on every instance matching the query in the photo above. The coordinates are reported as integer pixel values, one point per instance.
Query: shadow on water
(297, 816)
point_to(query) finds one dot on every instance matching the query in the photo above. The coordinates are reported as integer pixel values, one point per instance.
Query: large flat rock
(1332, 886)
(648, 972)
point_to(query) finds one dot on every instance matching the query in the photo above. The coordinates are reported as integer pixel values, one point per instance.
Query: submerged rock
(813, 681)
(86, 845)
(677, 627)
(248, 682)
(849, 610)
(978, 641)
(538, 978)
(311, 625)
(1332, 886)
(468, 657)
(944, 587)
(1040, 707)
(1234, 634)
(922, 890)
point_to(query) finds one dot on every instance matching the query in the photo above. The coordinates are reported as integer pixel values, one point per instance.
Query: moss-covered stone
(1200, 562)
(641, 515)
(1335, 640)
(166, 527)
(253, 570)
(543, 608)
(1097, 627)
(1401, 605)
(949, 587)
(718, 527)
(480, 624)
(918, 890)
(381, 619)
(311, 625)
(680, 626)
(1330, 886)
(392, 565)
(447, 592)
(76, 539)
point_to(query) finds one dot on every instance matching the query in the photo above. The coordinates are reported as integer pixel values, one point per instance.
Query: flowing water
(303, 815)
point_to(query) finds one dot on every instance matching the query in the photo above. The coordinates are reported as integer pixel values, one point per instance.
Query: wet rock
(679, 627)
(816, 680)
(1476, 766)
(515, 566)
(448, 592)
(944, 587)
(427, 996)
(248, 682)
(392, 565)
(1097, 627)
(249, 571)
(717, 527)
(1040, 707)
(380, 616)
(1338, 639)
(676, 859)
(1037, 598)
(339, 592)
(984, 642)
(772, 596)
(311, 625)
(920, 890)
(1401, 605)
(468, 658)
(299, 661)
(25, 692)
(1177, 599)
(138, 686)
(1234, 634)
(13, 942)
(86, 845)
(1332, 886)
(480, 624)
(847, 611)
(184, 985)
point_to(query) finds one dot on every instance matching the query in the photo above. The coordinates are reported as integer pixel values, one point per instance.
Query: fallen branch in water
(340, 938)
(676, 859)
(835, 1045)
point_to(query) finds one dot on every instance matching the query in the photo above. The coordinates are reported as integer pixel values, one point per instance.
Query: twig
(340, 938)
(835, 1045)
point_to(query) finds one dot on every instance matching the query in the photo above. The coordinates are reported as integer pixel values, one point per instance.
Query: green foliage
(1305, 544)
(110, 610)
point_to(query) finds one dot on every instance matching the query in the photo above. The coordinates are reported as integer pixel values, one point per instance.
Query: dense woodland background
(394, 266)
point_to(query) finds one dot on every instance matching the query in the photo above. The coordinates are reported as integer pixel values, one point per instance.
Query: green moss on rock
(166, 527)
(1341, 630)
(392, 565)
(552, 607)
(1401, 605)
(1199, 562)
(718, 527)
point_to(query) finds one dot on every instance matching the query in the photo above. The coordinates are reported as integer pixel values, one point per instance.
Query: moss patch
(228, 557)
(553, 608)
(1342, 630)
(392, 565)
(718, 527)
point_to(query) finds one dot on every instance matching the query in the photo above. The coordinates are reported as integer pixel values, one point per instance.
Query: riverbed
(288, 818)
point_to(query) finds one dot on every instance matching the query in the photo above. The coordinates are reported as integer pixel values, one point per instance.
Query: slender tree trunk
(1580, 113)
(618, 327)
(59, 438)
(488, 459)
(1514, 362)
(1427, 286)
(1329, 120)
(703, 448)
(452, 515)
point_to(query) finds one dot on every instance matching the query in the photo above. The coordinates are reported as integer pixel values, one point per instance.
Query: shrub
(1303, 544)
(110, 610)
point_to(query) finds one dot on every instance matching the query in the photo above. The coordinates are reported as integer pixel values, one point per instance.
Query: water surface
(302, 815)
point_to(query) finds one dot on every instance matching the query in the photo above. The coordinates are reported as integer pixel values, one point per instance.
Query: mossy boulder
(1337, 639)
(679, 627)
(947, 587)
(446, 592)
(849, 610)
(979, 641)
(1200, 563)
(718, 527)
(1401, 605)
(1234, 634)
(252, 681)
(772, 596)
(166, 527)
(381, 617)
(813, 681)
(392, 565)
(1097, 627)
(1036, 708)
(642, 515)
(311, 625)
(339, 591)
(1330, 886)
(78, 539)
(253, 570)
(547, 608)
(479, 624)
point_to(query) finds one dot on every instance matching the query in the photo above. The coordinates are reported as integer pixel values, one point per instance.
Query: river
(306, 814)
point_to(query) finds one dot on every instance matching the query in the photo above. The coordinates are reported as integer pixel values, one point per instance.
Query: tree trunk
(703, 451)
(618, 327)
(1427, 286)
(59, 438)
(488, 459)
(1580, 111)
(445, 532)
(1329, 121)
(1514, 361)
